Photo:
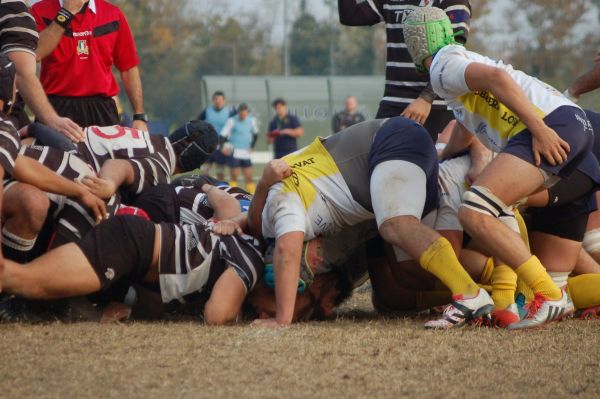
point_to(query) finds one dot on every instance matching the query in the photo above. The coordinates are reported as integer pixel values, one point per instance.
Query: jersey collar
(91, 5)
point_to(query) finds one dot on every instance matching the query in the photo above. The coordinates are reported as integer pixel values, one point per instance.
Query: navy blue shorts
(572, 125)
(403, 139)
(239, 163)
(218, 158)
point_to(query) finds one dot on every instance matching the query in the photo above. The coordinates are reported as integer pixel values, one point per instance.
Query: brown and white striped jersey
(9, 145)
(192, 258)
(194, 207)
(151, 156)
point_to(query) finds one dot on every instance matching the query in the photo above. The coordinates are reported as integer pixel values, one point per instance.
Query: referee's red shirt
(81, 64)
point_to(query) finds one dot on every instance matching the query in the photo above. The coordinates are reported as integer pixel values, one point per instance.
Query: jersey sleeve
(448, 72)
(9, 146)
(283, 213)
(148, 172)
(360, 12)
(125, 53)
(18, 31)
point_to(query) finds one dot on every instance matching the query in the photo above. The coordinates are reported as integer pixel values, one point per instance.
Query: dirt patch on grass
(358, 355)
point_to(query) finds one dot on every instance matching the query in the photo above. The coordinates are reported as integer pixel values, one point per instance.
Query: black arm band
(64, 18)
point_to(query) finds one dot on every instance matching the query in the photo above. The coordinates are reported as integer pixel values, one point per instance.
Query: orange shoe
(503, 318)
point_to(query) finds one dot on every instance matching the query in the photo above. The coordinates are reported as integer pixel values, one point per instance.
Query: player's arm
(275, 171)
(460, 139)
(586, 82)
(113, 174)
(226, 299)
(480, 158)
(360, 13)
(223, 204)
(296, 131)
(255, 131)
(286, 264)
(30, 171)
(50, 36)
(546, 143)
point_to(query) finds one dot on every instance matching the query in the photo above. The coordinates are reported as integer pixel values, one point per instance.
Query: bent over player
(382, 169)
(540, 134)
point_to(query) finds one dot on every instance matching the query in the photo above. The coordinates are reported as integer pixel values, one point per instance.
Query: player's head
(193, 144)
(218, 99)
(7, 83)
(350, 104)
(426, 30)
(243, 111)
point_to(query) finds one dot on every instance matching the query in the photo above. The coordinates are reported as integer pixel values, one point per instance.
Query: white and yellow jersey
(481, 112)
(315, 199)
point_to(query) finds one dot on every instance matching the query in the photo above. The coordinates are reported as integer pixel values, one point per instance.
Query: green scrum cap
(426, 30)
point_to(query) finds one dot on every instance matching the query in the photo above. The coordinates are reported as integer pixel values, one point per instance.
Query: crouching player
(387, 166)
(541, 136)
(183, 261)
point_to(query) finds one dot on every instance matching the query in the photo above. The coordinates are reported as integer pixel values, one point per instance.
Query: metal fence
(313, 99)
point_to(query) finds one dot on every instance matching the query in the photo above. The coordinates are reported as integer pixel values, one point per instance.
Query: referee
(80, 41)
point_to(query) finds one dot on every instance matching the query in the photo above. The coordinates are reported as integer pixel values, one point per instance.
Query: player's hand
(266, 323)
(418, 110)
(226, 228)
(275, 171)
(66, 126)
(140, 125)
(74, 6)
(548, 144)
(98, 207)
(103, 188)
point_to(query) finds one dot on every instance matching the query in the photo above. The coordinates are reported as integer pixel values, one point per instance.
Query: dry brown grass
(359, 355)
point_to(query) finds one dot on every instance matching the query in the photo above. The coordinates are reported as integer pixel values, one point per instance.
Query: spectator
(284, 130)
(241, 132)
(217, 115)
(19, 40)
(80, 42)
(348, 117)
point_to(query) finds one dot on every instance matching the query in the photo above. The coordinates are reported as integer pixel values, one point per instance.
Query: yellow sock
(504, 285)
(584, 290)
(486, 274)
(522, 227)
(429, 299)
(440, 260)
(534, 275)
(251, 187)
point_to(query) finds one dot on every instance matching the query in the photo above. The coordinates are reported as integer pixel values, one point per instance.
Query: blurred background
(256, 50)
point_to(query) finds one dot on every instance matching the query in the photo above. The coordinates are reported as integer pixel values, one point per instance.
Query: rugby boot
(463, 310)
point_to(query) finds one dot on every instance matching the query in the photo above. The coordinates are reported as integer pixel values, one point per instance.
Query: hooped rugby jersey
(192, 258)
(315, 199)
(151, 156)
(194, 207)
(9, 145)
(481, 112)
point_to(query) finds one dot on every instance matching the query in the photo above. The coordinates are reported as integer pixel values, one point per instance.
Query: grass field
(358, 355)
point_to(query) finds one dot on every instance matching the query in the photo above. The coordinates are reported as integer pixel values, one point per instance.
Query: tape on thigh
(591, 240)
(481, 199)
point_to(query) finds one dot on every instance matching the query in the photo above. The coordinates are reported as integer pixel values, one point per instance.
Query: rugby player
(384, 170)
(540, 134)
(125, 157)
(184, 261)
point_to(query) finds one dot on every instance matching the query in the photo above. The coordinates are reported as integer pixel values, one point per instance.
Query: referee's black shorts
(87, 111)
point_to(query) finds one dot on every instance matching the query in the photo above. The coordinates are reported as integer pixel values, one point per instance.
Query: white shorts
(398, 188)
